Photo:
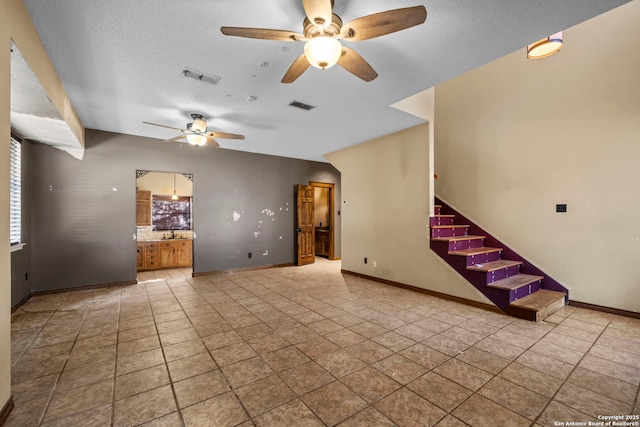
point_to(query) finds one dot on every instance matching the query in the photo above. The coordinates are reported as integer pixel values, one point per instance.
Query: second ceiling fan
(322, 30)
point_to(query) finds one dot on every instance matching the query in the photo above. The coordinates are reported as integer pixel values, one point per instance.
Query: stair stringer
(499, 297)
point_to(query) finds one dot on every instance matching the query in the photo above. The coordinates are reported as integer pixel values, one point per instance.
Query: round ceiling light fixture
(197, 140)
(545, 47)
(323, 51)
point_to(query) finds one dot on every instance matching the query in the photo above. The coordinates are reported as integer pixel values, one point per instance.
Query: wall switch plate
(374, 264)
(365, 260)
(561, 208)
(249, 254)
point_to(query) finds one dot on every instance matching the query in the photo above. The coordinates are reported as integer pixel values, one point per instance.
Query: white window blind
(15, 193)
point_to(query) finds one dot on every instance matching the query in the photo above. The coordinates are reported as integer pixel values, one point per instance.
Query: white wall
(385, 184)
(516, 137)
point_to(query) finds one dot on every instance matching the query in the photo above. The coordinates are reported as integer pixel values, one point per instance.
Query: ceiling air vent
(197, 75)
(302, 105)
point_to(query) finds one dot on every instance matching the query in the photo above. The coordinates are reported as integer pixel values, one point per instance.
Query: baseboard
(6, 410)
(595, 307)
(20, 303)
(240, 270)
(427, 292)
(83, 288)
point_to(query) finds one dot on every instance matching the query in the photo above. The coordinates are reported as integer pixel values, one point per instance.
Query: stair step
(449, 226)
(537, 306)
(456, 238)
(475, 251)
(488, 267)
(515, 282)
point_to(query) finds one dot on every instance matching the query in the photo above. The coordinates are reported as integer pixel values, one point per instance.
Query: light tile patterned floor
(306, 346)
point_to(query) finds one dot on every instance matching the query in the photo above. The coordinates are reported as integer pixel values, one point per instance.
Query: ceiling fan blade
(176, 138)
(298, 67)
(164, 126)
(351, 61)
(263, 33)
(225, 135)
(211, 142)
(318, 11)
(380, 24)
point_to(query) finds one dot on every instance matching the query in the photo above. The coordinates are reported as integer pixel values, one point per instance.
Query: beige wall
(516, 137)
(162, 183)
(5, 257)
(16, 25)
(385, 184)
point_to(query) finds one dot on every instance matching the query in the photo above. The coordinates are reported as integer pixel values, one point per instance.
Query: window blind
(15, 193)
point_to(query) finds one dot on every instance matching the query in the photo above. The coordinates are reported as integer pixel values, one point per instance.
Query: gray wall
(21, 260)
(84, 210)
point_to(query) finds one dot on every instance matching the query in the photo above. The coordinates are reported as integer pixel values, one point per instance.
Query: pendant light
(175, 195)
(545, 47)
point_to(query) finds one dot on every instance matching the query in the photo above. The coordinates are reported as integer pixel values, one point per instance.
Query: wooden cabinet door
(140, 257)
(167, 255)
(184, 254)
(143, 208)
(305, 241)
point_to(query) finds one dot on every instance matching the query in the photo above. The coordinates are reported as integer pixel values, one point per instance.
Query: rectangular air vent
(302, 105)
(197, 75)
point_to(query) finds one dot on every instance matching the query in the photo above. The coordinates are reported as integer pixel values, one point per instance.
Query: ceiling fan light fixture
(197, 140)
(323, 51)
(545, 47)
(199, 125)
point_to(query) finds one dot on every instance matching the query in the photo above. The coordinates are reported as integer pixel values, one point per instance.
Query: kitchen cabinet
(322, 241)
(143, 208)
(140, 256)
(165, 254)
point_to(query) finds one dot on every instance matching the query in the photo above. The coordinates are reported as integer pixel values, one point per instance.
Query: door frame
(332, 218)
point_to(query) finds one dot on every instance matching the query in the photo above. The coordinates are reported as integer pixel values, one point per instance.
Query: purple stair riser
(459, 245)
(434, 220)
(503, 273)
(482, 258)
(436, 210)
(477, 278)
(516, 294)
(507, 253)
(448, 232)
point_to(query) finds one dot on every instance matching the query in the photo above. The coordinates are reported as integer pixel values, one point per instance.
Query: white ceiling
(121, 63)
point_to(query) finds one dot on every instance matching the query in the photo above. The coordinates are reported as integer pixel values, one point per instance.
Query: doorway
(323, 198)
(164, 222)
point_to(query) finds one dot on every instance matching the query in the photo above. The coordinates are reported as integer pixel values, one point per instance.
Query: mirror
(164, 205)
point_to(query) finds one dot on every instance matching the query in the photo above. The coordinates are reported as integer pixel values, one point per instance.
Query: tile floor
(306, 346)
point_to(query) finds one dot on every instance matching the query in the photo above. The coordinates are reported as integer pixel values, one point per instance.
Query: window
(170, 214)
(15, 193)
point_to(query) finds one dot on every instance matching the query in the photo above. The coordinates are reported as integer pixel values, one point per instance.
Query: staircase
(517, 287)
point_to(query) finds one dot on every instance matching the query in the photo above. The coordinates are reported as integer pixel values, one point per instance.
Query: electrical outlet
(249, 254)
(561, 208)
(373, 264)
(365, 260)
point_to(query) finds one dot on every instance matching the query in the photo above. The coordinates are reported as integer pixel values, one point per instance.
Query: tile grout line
(164, 356)
(55, 385)
(570, 373)
(115, 365)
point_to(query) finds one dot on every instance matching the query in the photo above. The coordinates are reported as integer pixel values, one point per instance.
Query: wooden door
(143, 208)
(183, 254)
(305, 240)
(167, 255)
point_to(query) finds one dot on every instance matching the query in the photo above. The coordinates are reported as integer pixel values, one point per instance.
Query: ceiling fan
(322, 30)
(196, 133)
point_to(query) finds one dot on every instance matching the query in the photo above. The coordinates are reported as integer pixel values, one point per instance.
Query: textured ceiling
(121, 63)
